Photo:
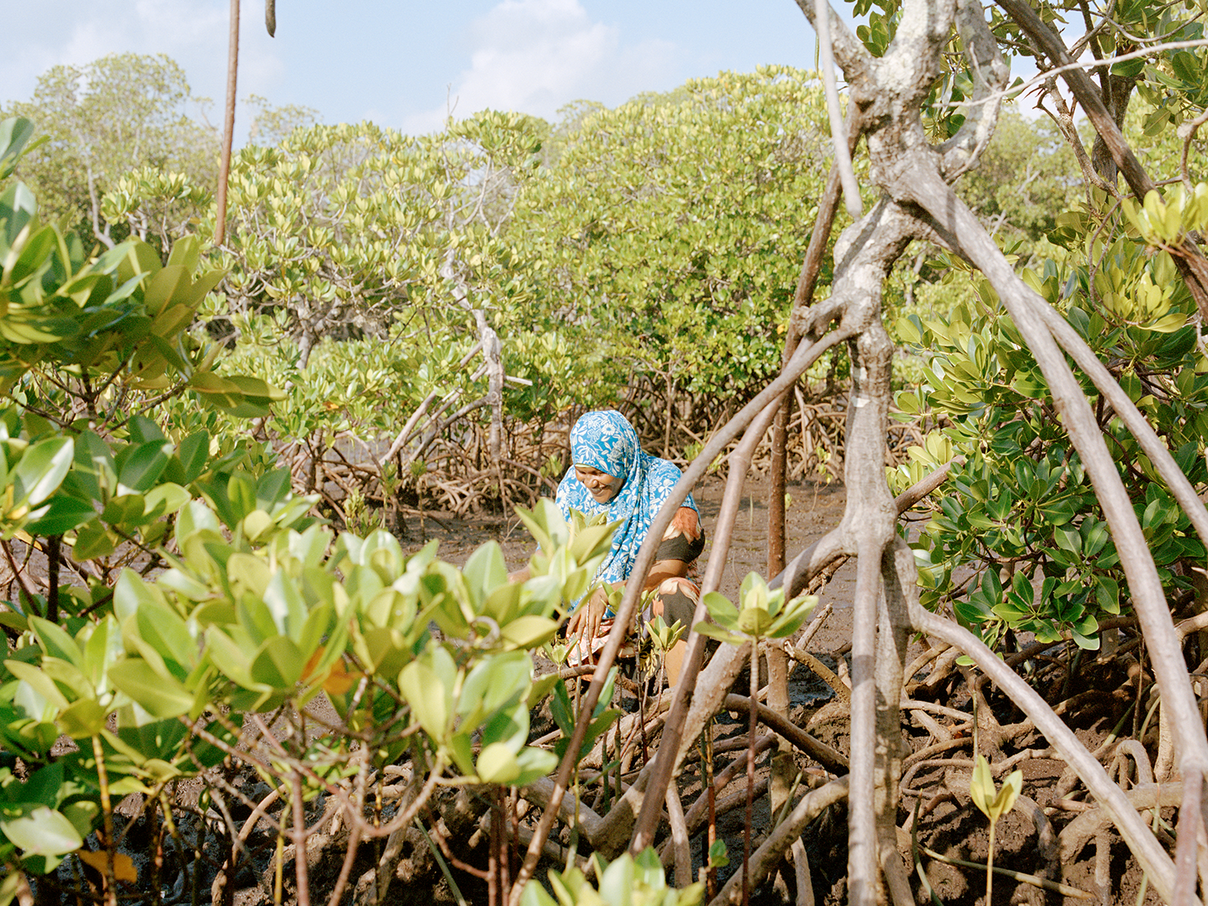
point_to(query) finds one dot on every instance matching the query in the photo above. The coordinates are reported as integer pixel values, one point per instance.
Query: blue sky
(403, 64)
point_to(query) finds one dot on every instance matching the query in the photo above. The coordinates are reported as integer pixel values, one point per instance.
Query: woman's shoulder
(662, 477)
(663, 470)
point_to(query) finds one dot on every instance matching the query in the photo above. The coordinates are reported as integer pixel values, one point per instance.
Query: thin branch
(827, 551)
(847, 176)
(831, 758)
(990, 77)
(1151, 444)
(1187, 133)
(679, 838)
(1041, 78)
(768, 855)
(228, 127)
(848, 49)
(803, 297)
(1187, 257)
(663, 764)
(1154, 860)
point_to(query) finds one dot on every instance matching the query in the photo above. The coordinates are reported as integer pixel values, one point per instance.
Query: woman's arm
(662, 570)
(682, 542)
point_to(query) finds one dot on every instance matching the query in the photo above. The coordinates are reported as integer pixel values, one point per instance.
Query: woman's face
(602, 486)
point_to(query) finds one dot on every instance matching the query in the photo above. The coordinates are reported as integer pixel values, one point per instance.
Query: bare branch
(768, 855)
(847, 176)
(1154, 860)
(990, 77)
(848, 50)
(228, 128)
(1191, 263)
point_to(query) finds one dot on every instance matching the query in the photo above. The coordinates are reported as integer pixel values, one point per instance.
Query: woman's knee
(676, 601)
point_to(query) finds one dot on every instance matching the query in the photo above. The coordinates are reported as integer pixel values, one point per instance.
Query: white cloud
(194, 33)
(535, 56)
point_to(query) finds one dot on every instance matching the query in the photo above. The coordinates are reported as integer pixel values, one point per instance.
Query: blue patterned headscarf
(605, 440)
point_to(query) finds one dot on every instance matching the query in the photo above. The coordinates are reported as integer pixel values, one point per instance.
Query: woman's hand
(585, 621)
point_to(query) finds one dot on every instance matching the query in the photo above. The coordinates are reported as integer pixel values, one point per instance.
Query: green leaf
(139, 466)
(15, 133)
(56, 641)
(721, 611)
(716, 632)
(193, 452)
(427, 686)
(143, 430)
(561, 709)
(42, 469)
(82, 719)
(534, 764)
(60, 515)
(529, 632)
(484, 571)
(718, 857)
(241, 492)
(494, 683)
(159, 694)
(164, 500)
(284, 602)
(545, 524)
(991, 802)
(43, 832)
(125, 510)
(1129, 68)
(497, 764)
(278, 664)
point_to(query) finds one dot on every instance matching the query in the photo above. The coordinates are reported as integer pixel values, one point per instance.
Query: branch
(1087, 93)
(803, 297)
(1140, 428)
(739, 462)
(714, 682)
(990, 78)
(827, 551)
(900, 589)
(920, 489)
(228, 127)
(861, 812)
(830, 758)
(1187, 133)
(1190, 261)
(768, 856)
(1154, 860)
(849, 50)
(964, 234)
(851, 191)
(405, 435)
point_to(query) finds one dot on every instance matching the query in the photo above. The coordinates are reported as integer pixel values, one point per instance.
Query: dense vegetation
(205, 577)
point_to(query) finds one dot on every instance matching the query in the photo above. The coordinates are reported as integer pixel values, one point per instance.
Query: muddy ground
(813, 510)
(948, 824)
(937, 750)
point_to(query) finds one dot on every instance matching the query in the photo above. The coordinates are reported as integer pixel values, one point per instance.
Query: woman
(611, 475)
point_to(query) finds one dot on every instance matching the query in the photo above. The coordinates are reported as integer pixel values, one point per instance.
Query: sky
(406, 64)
